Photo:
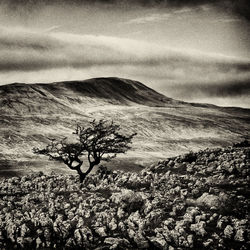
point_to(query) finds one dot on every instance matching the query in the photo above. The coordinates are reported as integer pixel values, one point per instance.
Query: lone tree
(100, 141)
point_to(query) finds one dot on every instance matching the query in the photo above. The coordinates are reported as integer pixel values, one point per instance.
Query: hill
(30, 113)
(193, 201)
(21, 98)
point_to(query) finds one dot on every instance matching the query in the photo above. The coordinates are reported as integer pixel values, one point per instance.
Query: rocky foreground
(198, 200)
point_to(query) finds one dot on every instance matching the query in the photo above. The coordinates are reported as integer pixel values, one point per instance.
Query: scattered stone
(159, 241)
(209, 200)
(239, 236)
(117, 243)
(199, 228)
(203, 204)
(228, 231)
(101, 231)
(208, 243)
(190, 240)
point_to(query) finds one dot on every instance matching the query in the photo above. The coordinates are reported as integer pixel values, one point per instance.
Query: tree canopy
(100, 141)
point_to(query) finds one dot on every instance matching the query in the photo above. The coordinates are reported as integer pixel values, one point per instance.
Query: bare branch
(99, 141)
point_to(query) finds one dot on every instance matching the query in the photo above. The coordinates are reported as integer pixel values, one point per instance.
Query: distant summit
(117, 89)
(62, 96)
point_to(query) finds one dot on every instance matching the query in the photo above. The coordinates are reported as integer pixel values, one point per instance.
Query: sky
(196, 51)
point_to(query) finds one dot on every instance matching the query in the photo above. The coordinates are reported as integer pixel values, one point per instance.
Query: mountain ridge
(103, 90)
(161, 99)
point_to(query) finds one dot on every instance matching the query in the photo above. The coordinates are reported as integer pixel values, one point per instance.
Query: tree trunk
(83, 175)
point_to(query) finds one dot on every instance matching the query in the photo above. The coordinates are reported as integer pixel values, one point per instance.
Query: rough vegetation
(198, 200)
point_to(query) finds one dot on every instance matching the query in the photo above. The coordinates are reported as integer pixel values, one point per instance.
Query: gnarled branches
(100, 141)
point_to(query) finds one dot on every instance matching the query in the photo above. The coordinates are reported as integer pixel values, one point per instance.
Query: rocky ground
(198, 200)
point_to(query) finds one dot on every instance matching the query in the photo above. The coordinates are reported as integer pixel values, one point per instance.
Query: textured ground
(194, 201)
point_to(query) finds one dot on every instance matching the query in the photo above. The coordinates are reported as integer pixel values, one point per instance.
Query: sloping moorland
(196, 200)
(31, 113)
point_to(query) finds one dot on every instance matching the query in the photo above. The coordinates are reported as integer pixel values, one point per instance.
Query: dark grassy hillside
(122, 90)
(59, 97)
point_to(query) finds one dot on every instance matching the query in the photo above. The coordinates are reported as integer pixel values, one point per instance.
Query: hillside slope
(30, 113)
(63, 97)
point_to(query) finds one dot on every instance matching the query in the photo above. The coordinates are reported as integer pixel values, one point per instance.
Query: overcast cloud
(239, 7)
(30, 50)
(171, 46)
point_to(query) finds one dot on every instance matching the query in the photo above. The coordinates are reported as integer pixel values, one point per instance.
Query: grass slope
(30, 113)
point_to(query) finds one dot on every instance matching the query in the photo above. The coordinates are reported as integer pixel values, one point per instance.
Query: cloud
(227, 89)
(38, 56)
(235, 93)
(53, 28)
(32, 50)
(47, 54)
(226, 20)
(184, 10)
(237, 88)
(239, 7)
(152, 18)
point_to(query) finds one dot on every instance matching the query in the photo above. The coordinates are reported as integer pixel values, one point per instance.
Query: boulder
(113, 225)
(208, 243)
(228, 231)
(211, 200)
(190, 240)
(141, 241)
(239, 236)
(199, 228)
(117, 243)
(101, 231)
(38, 242)
(159, 241)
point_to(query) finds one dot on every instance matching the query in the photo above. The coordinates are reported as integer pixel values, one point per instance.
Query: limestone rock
(239, 236)
(228, 231)
(116, 243)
